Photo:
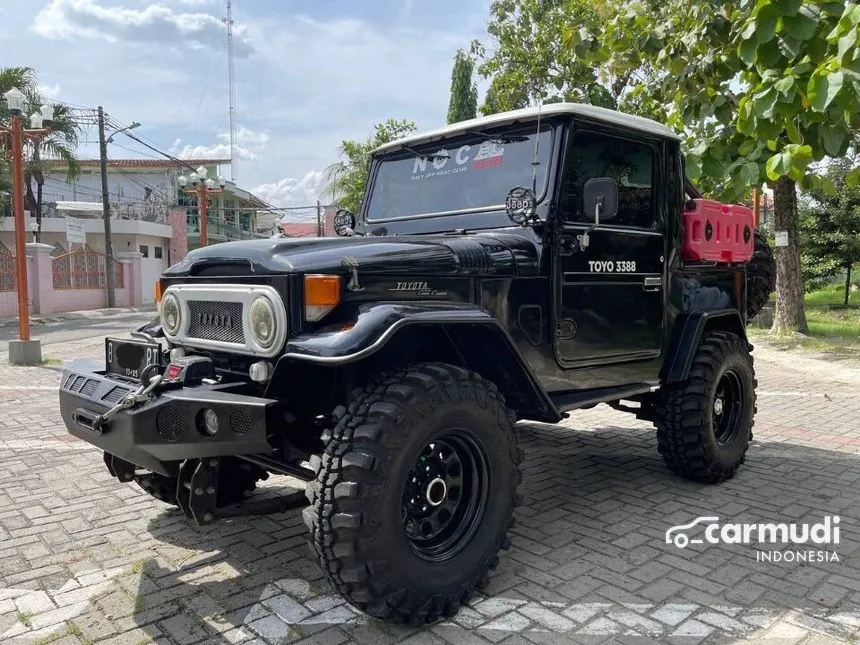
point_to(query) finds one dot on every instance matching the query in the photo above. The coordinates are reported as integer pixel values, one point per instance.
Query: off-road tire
(358, 514)
(685, 412)
(761, 276)
(236, 479)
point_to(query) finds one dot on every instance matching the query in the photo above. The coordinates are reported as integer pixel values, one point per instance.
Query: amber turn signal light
(159, 291)
(322, 294)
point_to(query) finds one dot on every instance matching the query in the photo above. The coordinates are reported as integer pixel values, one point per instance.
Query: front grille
(89, 387)
(218, 321)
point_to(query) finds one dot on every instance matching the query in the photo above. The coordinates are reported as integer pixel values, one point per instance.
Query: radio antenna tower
(231, 81)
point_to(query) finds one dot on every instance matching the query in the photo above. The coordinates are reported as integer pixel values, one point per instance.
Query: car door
(609, 293)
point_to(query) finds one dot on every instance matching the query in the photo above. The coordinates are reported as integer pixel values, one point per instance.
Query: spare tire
(761, 276)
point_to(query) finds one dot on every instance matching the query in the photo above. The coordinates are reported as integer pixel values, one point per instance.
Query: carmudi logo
(817, 537)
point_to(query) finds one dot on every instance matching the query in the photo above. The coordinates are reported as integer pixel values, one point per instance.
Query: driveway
(86, 559)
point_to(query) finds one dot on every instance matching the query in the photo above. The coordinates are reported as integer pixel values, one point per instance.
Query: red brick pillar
(179, 240)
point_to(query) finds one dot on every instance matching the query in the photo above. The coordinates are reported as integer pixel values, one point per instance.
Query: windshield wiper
(502, 139)
(428, 156)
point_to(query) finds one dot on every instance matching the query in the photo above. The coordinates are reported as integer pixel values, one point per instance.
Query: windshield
(471, 173)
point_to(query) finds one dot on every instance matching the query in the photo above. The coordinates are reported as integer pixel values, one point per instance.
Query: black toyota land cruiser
(513, 267)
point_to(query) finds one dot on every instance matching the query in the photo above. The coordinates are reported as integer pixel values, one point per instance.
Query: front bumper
(164, 430)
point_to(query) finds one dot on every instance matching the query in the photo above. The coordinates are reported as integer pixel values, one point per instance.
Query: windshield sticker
(442, 163)
(489, 154)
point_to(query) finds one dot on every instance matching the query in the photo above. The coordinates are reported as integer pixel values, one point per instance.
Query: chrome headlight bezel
(171, 299)
(263, 301)
(242, 293)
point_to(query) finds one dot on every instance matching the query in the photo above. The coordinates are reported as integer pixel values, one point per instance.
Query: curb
(38, 319)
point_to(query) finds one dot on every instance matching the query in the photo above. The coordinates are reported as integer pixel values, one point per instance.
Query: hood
(497, 254)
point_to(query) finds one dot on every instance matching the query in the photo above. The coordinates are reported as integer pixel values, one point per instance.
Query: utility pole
(231, 84)
(109, 275)
(319, 220)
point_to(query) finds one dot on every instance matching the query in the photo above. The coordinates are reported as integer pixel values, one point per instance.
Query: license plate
(128, 358)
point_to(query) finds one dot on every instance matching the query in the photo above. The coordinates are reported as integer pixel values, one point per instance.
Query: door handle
(653, 283)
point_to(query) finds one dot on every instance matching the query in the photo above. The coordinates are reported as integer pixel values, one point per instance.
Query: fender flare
(372, 327)
(686, 335)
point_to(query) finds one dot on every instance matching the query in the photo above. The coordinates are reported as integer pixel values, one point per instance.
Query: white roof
(80, 207)
(591, 112)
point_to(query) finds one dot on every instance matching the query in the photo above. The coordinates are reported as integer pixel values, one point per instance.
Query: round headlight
(171, 314)
(261, 317)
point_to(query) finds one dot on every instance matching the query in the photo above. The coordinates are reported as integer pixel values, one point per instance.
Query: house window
(158, 252)
(144, 250)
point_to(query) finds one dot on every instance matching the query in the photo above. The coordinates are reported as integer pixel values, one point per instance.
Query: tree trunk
(29, 197)
(790, 313)
(40, 181)
(848, 279)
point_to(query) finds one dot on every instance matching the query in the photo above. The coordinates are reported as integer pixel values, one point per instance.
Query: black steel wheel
(728, 408)
(704, 425)
(445, 496)
(401, 520)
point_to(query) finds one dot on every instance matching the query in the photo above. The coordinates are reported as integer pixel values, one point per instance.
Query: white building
(141, 191)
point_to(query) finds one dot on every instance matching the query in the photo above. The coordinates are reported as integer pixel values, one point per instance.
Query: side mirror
(600, 198)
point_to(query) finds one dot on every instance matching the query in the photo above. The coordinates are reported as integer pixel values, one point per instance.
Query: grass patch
(51, 361)
(25, 618)
(833, 329)
(831, 324)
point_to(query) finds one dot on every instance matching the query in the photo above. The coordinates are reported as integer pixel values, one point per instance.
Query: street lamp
(134, 124)
(202, 187)
(23, 351)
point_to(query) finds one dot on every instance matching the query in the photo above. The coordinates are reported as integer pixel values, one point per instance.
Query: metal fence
(83, 270)
(8, 272)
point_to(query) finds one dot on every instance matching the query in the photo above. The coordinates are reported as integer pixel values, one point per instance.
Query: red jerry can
(717, 232)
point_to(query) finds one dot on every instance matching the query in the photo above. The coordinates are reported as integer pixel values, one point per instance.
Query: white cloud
(309, 81)
(47, 91)
(155, 23)
(291, 191)
(249, 144)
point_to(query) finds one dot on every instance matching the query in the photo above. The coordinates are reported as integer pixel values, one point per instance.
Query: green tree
(760, 89)
(347, 178)
(22, 78)
(534, 56)
(463, 104)
(830, 228)
(59, 145)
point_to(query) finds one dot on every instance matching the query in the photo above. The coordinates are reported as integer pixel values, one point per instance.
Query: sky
(310, 73)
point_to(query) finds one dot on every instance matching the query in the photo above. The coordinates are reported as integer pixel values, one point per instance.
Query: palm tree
(59, 145)
(22, 78)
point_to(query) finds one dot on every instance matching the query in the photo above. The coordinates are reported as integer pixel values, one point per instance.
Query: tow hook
(128, 401)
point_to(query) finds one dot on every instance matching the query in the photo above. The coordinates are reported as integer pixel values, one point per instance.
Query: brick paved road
(85, 559)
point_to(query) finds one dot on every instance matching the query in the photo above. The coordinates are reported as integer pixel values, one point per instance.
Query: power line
(143, 154)
(181, 162)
